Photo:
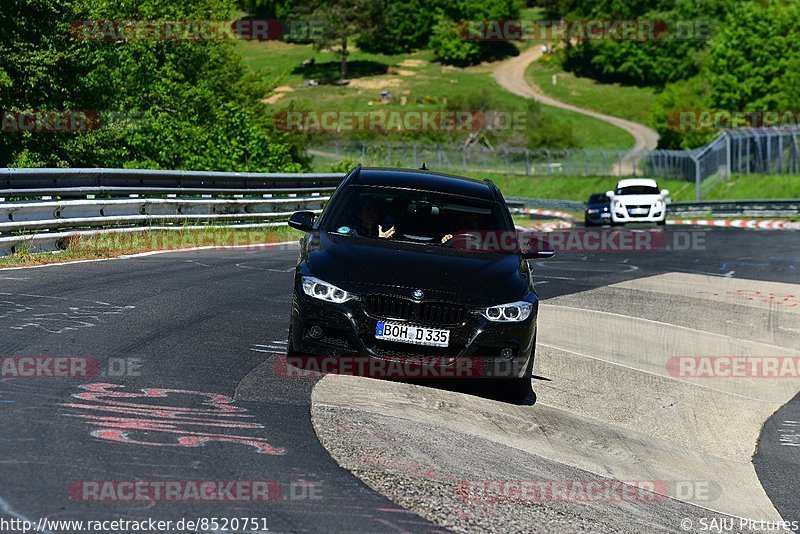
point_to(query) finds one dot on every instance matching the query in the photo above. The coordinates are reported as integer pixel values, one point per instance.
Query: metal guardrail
(93, 201)
(89, 201)
(713, 208)
(20, 179)
(737, 208)
(545, 204)
(119, 212)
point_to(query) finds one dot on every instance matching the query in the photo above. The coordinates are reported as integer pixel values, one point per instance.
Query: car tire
(662, 222)
(290, 345)
(516, 389)
(587, 223)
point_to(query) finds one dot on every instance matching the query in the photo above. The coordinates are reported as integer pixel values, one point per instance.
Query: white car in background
(638, 200)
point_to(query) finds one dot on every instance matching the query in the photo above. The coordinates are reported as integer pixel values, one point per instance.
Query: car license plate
(605, 215)
(418, 335)
(639, 211)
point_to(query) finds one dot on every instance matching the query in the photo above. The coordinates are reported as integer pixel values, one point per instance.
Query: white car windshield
(637, 190)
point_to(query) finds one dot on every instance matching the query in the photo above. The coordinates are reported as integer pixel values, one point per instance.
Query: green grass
(579, 188)
(741, 187)
(416, 81)
(112, 245)
(627, 102)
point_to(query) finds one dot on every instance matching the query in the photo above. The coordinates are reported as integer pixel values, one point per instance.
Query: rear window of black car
(417, 216)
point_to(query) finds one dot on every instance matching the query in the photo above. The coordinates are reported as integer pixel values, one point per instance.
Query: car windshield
(638, 190)
(416, 216)
(599, 198)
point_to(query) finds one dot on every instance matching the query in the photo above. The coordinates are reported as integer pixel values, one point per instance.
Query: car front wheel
(515, 389)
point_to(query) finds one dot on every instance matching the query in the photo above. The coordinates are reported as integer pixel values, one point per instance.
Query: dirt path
(511, 75)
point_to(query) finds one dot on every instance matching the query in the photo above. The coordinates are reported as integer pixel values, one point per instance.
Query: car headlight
(618, 204)
(591, 211)
(658, 203)
(314, 287)
(513, 312)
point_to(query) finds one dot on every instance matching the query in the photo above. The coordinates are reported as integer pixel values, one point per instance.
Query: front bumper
(348, 330)
(601, 217)
(627, 214)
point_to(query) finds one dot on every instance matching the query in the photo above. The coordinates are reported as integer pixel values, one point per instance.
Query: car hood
(638, 199)
(365, 265)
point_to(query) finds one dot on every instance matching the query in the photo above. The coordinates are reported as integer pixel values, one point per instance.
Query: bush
(449, 45)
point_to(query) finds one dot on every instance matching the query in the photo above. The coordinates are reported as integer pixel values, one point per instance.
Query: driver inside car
(368, 221)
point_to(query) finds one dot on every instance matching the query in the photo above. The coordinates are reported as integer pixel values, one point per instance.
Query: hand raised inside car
(387, 233)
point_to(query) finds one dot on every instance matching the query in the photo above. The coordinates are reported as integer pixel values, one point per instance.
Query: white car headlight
(314, 287)
(513, 312)
(618, 204)
(659, 203)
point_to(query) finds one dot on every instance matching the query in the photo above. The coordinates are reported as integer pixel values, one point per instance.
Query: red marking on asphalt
(215, 412)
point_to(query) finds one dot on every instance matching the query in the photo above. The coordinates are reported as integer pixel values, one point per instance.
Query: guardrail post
(696, 179)
(769, 155)
(586, 168)
(727, 156)
(527, 162)
(549, 163)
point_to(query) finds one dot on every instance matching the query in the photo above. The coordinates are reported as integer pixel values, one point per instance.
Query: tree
(342, 21)
(449, 39)
(183, 104)
(751, 59)
(673, 55)
(400, 27)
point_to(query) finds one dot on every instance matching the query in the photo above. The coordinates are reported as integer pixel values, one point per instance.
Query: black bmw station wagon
(383, 274)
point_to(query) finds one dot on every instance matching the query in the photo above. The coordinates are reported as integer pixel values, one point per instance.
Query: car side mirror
(539, 249)
(609, 194)
(302, 220)
(538, 254)
(664, 192)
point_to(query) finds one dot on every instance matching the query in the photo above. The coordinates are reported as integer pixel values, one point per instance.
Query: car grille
(442, 313)
(429, 312)
(638, 206)
(394, 349)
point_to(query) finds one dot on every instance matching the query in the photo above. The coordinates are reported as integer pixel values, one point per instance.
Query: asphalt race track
(184, 344)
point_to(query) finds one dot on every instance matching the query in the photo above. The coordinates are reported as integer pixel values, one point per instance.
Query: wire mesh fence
(745, 151)
(505, 160)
